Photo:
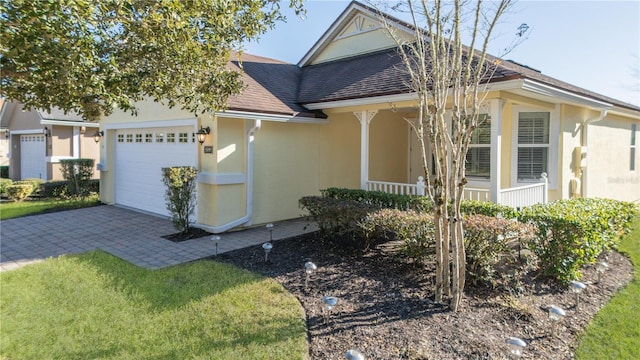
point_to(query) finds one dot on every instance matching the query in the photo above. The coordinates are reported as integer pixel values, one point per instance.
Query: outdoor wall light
(7, 134)
(202, 134)
(46, 132)
(516, 346)
(98, 135)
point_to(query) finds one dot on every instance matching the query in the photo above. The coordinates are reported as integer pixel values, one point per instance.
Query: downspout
(584, 144)
(246, 219)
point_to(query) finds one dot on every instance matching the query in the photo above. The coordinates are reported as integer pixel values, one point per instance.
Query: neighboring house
(339, 119)
(36, 141)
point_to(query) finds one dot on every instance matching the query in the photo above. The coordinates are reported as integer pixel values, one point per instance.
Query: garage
(140, 154)
(33, 162)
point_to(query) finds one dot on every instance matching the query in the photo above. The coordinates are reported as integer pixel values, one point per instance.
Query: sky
(591, 44)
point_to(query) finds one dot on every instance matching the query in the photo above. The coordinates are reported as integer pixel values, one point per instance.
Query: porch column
(365, 118)
(495, 111)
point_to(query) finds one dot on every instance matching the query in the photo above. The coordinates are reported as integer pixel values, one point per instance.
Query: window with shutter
(533, 145)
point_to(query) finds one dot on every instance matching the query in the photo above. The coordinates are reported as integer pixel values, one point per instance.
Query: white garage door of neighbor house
(33, 162)
(140, 154)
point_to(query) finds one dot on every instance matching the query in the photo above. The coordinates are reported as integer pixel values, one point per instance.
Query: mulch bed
(192, 233)
(386, 312)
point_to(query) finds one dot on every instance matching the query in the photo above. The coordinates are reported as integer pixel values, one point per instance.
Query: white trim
(553, 92)
(57, 158)
(552, 154)
(69, 123)
(362, 101)
(358, 21)
(76, 142)
(338, 25)
(25, 132)
(495, 111)
(245, 115)
(151, 124)
(221, 178)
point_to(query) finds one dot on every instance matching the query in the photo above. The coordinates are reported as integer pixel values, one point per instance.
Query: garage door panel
(33, 163)
(140, 156)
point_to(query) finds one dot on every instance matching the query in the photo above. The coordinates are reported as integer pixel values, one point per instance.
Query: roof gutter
(245, 115)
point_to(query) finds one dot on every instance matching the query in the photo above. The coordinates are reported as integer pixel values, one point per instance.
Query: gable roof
(382, 73)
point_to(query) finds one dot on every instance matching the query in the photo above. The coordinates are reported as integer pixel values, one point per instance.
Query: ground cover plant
(95, 305)
(615, 331)
(9, 210)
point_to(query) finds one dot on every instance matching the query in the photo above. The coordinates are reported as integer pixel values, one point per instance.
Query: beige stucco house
(35, 141)
(338, 119)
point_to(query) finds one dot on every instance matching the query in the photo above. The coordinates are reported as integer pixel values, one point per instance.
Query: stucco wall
(608, 159)
(388, 148)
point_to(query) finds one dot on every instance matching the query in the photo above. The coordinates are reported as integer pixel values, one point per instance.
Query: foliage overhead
(91, 56)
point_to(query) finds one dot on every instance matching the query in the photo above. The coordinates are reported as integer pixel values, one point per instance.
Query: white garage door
(140, 154)
(33, 162)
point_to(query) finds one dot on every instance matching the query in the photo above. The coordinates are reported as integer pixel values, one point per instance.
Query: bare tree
(448, 77)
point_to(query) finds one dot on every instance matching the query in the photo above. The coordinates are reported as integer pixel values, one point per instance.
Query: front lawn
(615, 331)
(95, 305)
(10, 210)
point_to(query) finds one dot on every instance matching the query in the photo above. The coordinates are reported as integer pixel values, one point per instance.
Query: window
(129, 138)
(632, 158)
(120, 138)
(171, 137)
(478, 161)
(533, 145)
(183, 137)
(138, 138)
(148, 138)
(159, 137)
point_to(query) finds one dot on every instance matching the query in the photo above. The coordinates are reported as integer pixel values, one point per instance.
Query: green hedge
(487, 208)
(3, 186)
(490, 241)
(19, 191)
(572, 233)
(415, 229)
(380, 199)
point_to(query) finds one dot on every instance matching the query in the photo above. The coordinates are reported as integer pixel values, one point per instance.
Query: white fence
(515, 197)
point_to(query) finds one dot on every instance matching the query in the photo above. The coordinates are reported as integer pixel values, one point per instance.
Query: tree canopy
(91, 56)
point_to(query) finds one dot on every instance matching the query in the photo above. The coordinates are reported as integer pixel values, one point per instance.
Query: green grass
(96, 306)
(614, 333)
(10, 210)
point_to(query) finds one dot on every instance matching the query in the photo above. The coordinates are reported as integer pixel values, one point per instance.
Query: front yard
(98, 306)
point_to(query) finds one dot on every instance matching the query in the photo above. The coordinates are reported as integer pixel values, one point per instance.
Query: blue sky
(591, 44)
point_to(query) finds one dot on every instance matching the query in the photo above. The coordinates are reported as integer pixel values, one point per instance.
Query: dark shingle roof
(271, 88)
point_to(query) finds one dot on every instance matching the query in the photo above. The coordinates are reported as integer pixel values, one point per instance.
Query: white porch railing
(515, 197)
(398, 188)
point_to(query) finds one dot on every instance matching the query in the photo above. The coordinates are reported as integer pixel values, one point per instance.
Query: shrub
(77, 173)
(4, 172)
(336, 217)
(26, 183)
(489, 240)
(487, 208)
(3, 186)
(54, 189)
(415, 229)
(380, 199)
(35, 184)
(180, 194)
(19, 192)
(572, 233)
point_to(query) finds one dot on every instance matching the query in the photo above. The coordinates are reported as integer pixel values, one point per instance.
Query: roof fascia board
(269, 117)
(335, 28)
(362, 101)
(68, 123)
(554, 92)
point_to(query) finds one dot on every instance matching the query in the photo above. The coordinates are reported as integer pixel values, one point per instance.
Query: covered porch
(374, 154)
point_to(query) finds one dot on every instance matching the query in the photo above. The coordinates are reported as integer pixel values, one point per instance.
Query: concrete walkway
(133, 236)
